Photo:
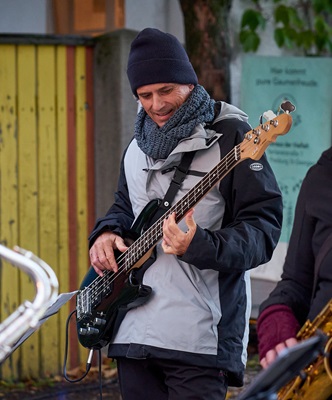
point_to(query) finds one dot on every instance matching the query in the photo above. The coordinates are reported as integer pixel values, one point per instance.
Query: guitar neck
(200, 190)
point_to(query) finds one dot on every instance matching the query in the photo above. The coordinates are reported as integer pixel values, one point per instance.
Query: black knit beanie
(158, 57)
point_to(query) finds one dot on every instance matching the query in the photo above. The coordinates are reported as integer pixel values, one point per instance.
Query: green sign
(307, 83)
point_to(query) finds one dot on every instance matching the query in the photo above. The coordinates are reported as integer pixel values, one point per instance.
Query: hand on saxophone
(271, 355)
(277, 329)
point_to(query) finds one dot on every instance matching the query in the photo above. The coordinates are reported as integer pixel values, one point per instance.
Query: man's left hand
(175, 241)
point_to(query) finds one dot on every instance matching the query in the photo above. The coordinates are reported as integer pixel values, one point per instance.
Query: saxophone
(316, 380)
(27, 315)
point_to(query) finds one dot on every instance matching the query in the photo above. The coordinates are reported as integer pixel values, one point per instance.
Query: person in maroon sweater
(306, 282)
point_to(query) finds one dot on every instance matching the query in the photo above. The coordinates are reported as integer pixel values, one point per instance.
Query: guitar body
(100, 323)
(100, 315)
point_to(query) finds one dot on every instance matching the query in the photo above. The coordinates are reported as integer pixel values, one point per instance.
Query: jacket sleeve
(296, 284)
(251, 225)
(119, 217)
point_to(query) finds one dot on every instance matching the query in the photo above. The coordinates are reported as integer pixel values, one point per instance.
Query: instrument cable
(88, 363)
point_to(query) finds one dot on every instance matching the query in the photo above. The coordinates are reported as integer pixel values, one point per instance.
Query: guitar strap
(179, 175)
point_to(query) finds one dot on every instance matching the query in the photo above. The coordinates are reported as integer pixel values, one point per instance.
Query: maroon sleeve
(275, 324)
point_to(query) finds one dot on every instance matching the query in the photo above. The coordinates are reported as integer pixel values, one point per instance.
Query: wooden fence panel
(82, 151)
(62, 185)
(46, 181)
(47, 191)
(9, 279)
(28, 185)
(72, 194)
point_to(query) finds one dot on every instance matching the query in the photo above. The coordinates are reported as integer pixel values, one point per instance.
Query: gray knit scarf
(157, 142)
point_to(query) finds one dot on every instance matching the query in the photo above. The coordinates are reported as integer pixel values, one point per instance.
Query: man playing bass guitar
(188, 341)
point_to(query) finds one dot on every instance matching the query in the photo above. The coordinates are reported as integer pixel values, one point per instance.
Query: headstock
(258, 139)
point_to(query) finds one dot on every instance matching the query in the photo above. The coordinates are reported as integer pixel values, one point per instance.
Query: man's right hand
(102, 252)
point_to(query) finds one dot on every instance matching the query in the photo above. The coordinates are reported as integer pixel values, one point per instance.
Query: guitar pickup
(83, 304)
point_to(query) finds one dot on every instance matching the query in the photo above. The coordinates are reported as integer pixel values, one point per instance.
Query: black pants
(154, 379)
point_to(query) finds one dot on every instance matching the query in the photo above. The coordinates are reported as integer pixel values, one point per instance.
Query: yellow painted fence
(46, 186)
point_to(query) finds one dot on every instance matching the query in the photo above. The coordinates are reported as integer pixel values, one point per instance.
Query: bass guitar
(102, 302)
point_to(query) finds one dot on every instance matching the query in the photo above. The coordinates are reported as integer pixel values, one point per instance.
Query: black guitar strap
(179, 175)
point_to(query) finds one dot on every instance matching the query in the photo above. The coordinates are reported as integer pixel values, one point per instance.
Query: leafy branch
(304, 25)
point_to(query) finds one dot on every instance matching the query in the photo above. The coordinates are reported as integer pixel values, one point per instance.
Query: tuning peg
(287, 106)
(267, 115)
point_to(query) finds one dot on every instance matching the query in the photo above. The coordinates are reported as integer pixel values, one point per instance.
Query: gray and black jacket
(200, 307)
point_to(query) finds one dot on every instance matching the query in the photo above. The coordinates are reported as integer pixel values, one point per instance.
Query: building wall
(25, 16)
(162, 14)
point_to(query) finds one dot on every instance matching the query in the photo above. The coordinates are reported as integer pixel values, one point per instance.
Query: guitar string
(192, 197)
(151, 236)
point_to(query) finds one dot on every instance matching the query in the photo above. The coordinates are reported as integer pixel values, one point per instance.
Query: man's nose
(157, 102)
